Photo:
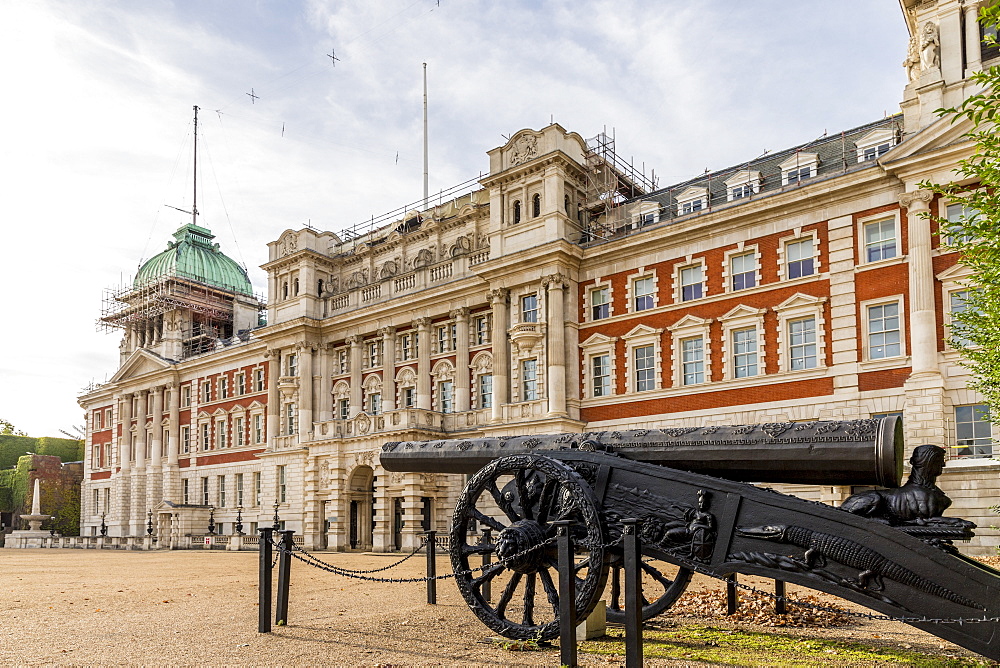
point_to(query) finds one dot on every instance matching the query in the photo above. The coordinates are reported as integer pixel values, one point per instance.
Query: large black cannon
(890, 551)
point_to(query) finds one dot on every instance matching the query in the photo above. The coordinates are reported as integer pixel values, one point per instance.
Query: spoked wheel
(662, 584)
(528, 493)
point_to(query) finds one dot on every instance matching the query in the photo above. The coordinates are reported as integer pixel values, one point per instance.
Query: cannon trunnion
(690, 522)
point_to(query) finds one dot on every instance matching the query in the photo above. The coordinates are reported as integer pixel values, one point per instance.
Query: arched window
(566, 204)
(536, 205)
(517, 211)
(296, 286)
(284, 290)
(319, 287)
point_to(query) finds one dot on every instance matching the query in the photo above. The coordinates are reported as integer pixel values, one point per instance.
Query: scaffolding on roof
(611, 182)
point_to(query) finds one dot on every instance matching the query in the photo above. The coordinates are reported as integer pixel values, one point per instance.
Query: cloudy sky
(97, 124)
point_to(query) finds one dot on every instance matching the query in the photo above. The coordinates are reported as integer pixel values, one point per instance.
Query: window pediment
(799, 160)
(742, 311)
(956, 272)
(692, 193)
(689, 321)
(642, 330)
(598, 340)
(799, 300)
(743, 176)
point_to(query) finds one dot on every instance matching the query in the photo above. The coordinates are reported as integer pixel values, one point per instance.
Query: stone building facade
(562, 293)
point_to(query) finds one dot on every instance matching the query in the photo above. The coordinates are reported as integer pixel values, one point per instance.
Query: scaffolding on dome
(611, 182)
(139, 310)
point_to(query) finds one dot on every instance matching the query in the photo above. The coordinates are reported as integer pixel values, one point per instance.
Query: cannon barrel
(850, 452)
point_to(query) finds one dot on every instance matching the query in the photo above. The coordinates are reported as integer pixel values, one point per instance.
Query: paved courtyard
(196, 607)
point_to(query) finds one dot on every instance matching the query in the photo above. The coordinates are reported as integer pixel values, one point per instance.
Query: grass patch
(748, 648)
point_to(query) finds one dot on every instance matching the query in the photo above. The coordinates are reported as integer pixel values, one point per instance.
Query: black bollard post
(432, 595)
(284, 573)
(779, 602)
(264, 583)
(633, 593)
(567, 594)
(487, 540)
(731, 601)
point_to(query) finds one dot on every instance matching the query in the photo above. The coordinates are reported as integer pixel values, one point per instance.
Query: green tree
(8, 429)
(976, 233)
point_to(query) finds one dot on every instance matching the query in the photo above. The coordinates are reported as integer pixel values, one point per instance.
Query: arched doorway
(360, 495)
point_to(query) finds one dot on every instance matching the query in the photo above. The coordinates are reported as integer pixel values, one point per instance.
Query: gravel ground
(72, 607)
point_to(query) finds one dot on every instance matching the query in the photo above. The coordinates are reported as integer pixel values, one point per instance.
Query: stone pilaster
(973, 45)
(154, 480)
(388, 368)
(273, 358)
(556, 318)
(499, 299)
(422, 325)
(171, 472)
(124, 477)
(305, 353)
(356, 405)
(324, 393)
(462, 390)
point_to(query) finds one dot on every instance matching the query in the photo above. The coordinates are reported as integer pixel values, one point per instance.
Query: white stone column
(273, 358)
(356, 399)
(973, 44)
(923, 325)
(305, 353)
(124, 482)
(171, 479)
(388, 368)
(556, 354)
(154, 480)
(422, 325)
(499, 300)
(462, 392)
(140, 444)
(324, 394)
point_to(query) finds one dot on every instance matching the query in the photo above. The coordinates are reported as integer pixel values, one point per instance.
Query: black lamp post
(277, 522)
(211, 521)
(104, 527)
(239, 520)
(149, 522)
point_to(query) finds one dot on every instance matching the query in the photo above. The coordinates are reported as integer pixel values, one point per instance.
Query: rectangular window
(446, 396)
(344, 408)
(486, 390)
(796, 175)
(529, 380)
(644, 361)
(186, 396)
(239, 439)
(239, 489)
(742, 191)
(186, 490)
(258, 428)
(222, 491)
(206, 392)
(693, 360)
(343, 361)
(374, 404)
(223, 388)
(206, 432)
(802, 344)
(408, 397)
(185, 439)
(241, 384)
(973, 431)
(959, 213)
(220, 434)
(691, 283)
(282, 485)
(204, 492)
(743, 269)
(258, 380)
(98, 420)
(883, 331)
(291, 419)
(691, 207)
(374, 354)
(443, 339)
(482, 327)
(406, 347)
(529, 308)
(292, 364)
(601, 365)
(600, 307)
(799, 258)
(256, 488)
(872, 152)
(880, 240)
(958, 302)
(642, 293)
(745, 352)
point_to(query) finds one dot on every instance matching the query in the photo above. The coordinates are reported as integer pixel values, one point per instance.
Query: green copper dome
(193, 256)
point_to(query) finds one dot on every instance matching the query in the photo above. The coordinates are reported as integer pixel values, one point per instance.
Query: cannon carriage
(689, 490)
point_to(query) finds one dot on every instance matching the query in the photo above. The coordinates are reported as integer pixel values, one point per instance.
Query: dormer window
(692, 199)
(798, 167)
(742, 184)
(875, 143)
